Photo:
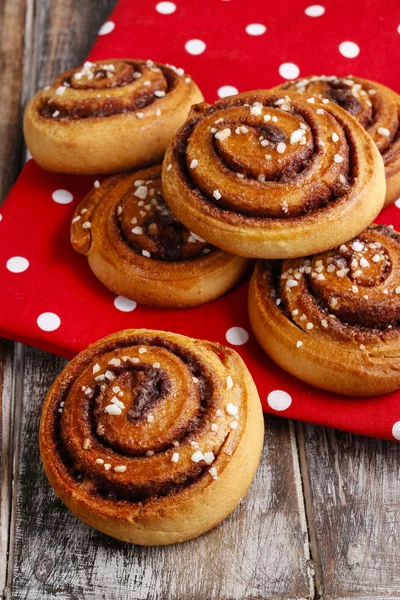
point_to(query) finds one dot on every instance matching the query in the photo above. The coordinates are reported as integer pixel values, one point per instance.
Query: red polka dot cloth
(50, 299)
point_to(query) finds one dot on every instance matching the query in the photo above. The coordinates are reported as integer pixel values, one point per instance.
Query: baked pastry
(332, 319)
(152, 437)
(108, 116)
(271, 176)
(376, 108)
(139, 250)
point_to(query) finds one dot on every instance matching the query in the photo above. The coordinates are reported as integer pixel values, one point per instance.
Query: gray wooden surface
(322, 519)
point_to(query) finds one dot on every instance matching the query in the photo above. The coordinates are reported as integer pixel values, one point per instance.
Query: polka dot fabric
(48, 295)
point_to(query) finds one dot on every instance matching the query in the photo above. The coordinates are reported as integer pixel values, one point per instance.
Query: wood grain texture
(261, 551)
(64, 32)
(5, 454)
(12, 24)
(355, 496)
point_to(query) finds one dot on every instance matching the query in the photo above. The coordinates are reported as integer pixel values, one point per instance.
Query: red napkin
(49, 297)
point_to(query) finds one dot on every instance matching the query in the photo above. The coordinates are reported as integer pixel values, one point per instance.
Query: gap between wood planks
(6, 423)
(13, 370)
(315, 575)
(15, 410)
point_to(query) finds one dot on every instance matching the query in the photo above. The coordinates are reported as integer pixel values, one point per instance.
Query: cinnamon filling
(106, 88)
(352, 291)
(143, 387)
(149, 227)
(344, 98)
(375, 109)
(149, 385)
(94, 107)
(273, 134)
(244, 148)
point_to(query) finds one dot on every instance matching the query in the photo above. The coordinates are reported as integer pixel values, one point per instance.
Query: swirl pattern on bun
(332, 319)
(108, 116)
(267, 175)
(375, 106)
(139, 250)
(144, 430)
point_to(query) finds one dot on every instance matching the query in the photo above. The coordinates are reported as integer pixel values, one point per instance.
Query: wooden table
(322, 519)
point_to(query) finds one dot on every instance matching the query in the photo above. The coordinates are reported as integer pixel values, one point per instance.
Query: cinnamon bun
(152, 437)
(269, 175)
(332, 319)
(108, 116)
(139, 250)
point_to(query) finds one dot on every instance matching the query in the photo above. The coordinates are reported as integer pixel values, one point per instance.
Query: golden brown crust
(152, 437)
(332, 319)
(139, 250)
(375, 106)
(276, 177)
(108, 116)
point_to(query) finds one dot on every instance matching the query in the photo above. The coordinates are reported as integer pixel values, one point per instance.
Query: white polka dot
(315, 10)
(28, 155)
(398, 28)
(17, 264)
(166, 8)
(237, 336)
(279, 400)
(256, 29)
(49, 321)
(397, 202)
(289, 71)
(124, 304)
(62, 196)
(349, 49)
(107, 27)
(227, 90)
(195, 47)
(1, 218)
(396, 430)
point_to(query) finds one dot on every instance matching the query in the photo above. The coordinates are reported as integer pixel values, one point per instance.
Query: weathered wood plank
(5, 454)
(355, 496)
(12, 398)
(4, 469)
(12, 21)
(65, 32)
(259, 552)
